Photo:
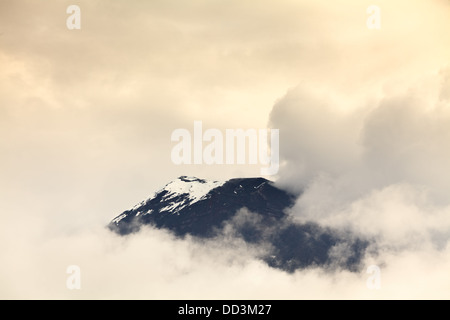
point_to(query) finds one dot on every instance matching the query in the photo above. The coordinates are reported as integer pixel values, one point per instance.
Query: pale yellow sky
(86, 115)
(94, 108)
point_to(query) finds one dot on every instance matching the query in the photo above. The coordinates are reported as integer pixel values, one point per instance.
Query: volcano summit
(257, 212)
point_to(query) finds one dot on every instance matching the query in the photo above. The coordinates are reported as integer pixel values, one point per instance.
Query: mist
(86, 118)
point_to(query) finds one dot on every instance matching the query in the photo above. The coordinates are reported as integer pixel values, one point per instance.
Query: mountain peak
(185, 191)
(203, 208)
(190, 179)
(208, 201)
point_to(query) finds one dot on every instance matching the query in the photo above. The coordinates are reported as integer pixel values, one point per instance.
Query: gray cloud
(379, 170)
(375, 142)
(154, 265)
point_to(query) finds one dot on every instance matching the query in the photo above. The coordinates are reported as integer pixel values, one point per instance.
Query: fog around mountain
(86, 118)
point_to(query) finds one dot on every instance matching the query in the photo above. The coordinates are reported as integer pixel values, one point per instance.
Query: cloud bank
(154, 265)
(378, 169)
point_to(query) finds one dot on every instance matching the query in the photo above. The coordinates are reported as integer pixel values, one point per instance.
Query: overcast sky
(86, 115)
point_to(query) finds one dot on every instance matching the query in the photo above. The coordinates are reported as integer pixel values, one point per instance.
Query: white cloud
(379, 170)
(155, 265)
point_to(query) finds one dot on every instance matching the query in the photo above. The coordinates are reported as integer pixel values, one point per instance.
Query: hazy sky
(86, 117)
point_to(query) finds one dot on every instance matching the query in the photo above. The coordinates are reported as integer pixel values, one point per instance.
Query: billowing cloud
(155, 265)
(377, 169)
(401, 137)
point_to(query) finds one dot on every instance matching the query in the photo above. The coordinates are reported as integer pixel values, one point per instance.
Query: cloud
(86, 119)
(370, 142)
(155, 265)
(377, 168)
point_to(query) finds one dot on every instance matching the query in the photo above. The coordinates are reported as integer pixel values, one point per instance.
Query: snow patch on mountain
(195, 189)
(180, 193)
(119, 218)
(189, 189)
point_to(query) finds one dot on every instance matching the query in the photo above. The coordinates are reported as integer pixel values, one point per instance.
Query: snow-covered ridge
(196, 189)
(119, 218)
(191, 189)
